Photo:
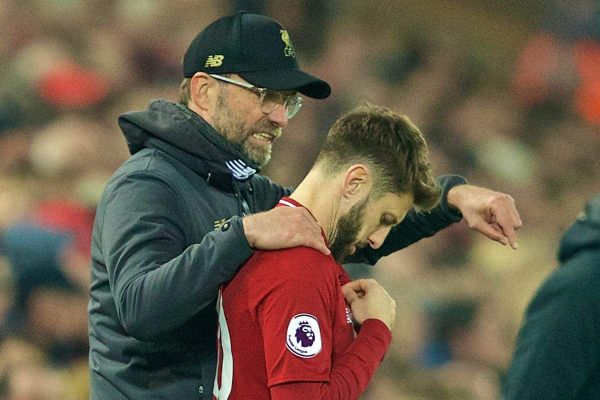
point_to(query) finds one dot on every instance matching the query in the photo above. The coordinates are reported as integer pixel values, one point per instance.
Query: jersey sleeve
(293, 303)
(350, 374)
(309, 347)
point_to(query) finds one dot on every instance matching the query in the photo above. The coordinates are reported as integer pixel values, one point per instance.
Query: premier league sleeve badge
(304, 336)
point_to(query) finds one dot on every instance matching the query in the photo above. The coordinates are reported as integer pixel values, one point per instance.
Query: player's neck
(319, 197)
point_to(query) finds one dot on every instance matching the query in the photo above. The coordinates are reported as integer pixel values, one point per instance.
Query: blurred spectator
(464, 330)
(466, 346)
(48, 258)
(71, 86)
(25, 374)
(563, 60)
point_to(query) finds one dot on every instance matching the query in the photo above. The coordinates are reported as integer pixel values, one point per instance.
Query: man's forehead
(394, 204)
(395, 201)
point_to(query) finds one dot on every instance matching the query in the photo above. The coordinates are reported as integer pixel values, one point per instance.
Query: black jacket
(557, 355)
(161, 248)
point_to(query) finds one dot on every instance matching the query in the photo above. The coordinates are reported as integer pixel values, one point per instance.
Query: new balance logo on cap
(214, 60)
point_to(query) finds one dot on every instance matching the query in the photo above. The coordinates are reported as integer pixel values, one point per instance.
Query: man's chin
(350, 250)
(341, 255)
(260, 157)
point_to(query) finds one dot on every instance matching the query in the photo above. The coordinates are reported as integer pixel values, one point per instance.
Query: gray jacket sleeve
(158, 280)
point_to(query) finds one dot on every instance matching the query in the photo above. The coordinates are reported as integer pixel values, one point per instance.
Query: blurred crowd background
(506, 92)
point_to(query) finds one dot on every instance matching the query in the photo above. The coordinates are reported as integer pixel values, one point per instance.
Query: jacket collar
(184, 135)
(584, 233)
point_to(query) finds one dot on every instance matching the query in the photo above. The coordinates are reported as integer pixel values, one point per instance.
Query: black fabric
(557, 354)
(255, 47)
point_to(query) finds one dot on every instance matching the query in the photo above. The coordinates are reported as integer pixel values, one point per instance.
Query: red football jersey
(283, 319)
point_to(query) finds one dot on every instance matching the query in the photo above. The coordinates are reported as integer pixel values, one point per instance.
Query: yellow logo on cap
(289, 49)
(214, 60)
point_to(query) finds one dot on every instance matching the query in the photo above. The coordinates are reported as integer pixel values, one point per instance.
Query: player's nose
(377, 238)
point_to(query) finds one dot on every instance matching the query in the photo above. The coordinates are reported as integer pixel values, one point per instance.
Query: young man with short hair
(285, 329)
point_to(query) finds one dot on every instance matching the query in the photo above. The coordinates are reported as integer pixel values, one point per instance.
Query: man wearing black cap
(174, 221)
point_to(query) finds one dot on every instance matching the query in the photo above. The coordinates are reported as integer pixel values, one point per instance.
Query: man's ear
(357, 182)
(203, 94)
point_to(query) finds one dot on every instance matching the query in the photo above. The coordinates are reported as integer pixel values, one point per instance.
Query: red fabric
(587, 97)
(266, 308)
(534, 67)
(350, 374)
(70, 217)
(72, 86)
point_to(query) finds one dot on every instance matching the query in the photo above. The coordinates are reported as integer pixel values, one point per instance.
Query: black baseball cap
(255, 47)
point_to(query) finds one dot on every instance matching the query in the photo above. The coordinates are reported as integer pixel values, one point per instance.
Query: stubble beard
(232, 127)
(346, 231)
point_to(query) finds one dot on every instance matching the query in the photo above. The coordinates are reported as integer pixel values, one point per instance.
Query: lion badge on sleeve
(304, 336)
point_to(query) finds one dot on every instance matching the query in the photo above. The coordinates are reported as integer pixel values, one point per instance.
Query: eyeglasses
(269, 99)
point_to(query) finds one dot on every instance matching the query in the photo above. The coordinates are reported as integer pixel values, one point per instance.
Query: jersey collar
(289, 202)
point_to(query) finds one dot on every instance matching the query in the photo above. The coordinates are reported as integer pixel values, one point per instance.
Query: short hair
(390, 144)
(185, 91)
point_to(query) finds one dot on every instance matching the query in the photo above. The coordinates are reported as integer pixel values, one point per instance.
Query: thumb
(321, 246)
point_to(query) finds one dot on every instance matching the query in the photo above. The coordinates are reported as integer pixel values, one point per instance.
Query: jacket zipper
(243, 207)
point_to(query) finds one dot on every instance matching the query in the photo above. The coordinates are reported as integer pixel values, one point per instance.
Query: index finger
(361, 285)
(507, 224)
(349, 294)
(354, 285)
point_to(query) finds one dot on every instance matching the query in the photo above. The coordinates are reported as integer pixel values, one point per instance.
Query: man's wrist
(449, 198)
(247, 226)
(453, 197)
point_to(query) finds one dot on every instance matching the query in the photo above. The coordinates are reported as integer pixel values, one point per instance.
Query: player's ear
(357, 182)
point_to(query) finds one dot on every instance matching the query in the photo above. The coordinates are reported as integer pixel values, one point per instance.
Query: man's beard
(232, 127)
(347, 230)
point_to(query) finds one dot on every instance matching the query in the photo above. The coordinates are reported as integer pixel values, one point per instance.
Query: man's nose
(279, 116)
(377, 238)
